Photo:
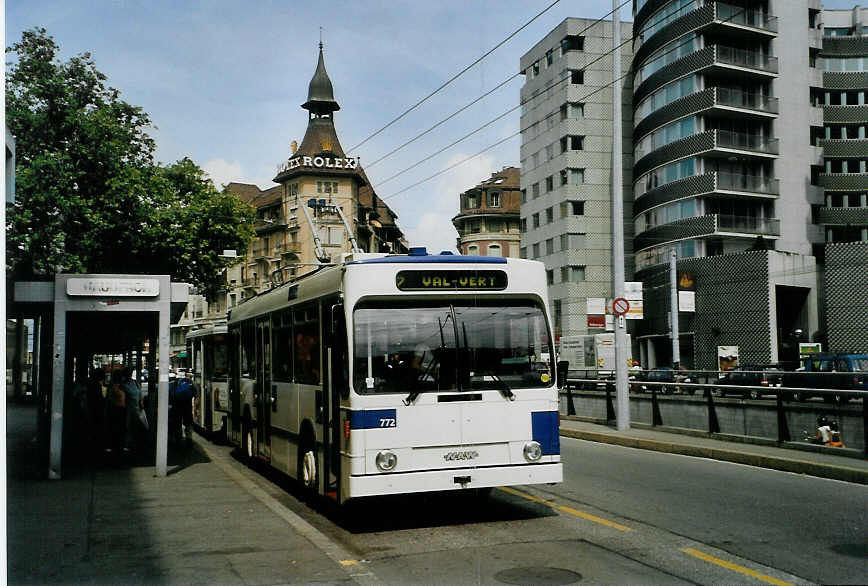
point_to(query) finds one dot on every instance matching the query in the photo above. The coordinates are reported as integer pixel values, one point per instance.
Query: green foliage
(89, 196)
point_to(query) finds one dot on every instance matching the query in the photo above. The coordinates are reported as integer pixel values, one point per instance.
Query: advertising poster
(727, 357)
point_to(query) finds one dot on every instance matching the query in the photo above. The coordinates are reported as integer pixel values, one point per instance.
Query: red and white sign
(620, 306)
(597, 321)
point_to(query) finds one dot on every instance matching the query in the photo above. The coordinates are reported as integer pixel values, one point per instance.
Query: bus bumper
(452, 479)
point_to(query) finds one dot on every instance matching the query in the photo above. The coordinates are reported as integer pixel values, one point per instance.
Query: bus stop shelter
(83, 315)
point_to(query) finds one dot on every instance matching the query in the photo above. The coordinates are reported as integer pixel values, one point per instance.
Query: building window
(494, 199)
(475, 226)
(572, 142)
(524, 196)
(550, 183)
(535, 69)
(550, 215)
(550, 276)
(549, 57)
(573, 274)
(473, 250)
(535, 218)
(572, 43)
(535, 158)
(522, 252)
(471, 201)
(523, 225)
(572, 208)
(550, 151)
(550, 246)
(572, 176)
(494, 250)
(494, 225)
(536, 250)
(534, 189)
(577, 76)
(572, 110)
(572, 241)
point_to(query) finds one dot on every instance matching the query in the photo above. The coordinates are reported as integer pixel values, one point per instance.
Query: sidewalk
(117, 523)
(813, 460)
(214, 521)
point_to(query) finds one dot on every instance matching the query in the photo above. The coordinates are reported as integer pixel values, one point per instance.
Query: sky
(223, 82)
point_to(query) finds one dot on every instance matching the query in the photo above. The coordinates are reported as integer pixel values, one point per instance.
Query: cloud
(222, 172)
(434, 229)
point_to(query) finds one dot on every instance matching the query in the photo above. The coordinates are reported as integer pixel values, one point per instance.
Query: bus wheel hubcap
(309, 469)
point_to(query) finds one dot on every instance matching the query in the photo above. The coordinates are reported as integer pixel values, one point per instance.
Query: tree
(89, 197)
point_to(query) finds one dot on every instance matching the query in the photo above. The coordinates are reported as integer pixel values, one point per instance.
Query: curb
(786, 465)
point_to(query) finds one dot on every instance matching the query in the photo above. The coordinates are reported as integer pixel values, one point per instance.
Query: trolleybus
(209, 359)
(389, 374)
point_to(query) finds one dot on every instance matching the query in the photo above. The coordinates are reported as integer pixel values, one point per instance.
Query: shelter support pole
(58, 359)
(163, 388)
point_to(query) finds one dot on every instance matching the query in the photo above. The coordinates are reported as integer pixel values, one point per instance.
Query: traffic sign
(620, 306)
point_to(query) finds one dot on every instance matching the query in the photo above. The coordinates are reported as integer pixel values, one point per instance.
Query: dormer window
(494, 199)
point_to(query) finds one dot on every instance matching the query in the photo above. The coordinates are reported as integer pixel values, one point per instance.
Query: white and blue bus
(208, 352)
(393, 374)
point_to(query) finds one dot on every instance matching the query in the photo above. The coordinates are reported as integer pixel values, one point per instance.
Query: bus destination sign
(440, 280)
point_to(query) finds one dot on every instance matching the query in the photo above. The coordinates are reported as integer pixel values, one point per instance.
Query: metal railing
(748, 100)
(744, 182)
(792, 404)
(746, 142)
(740, 15)
(746, 58)
(748, 224)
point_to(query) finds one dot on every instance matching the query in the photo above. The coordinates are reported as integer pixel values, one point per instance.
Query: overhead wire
(589, 94)
(456, 76)
(485, 95)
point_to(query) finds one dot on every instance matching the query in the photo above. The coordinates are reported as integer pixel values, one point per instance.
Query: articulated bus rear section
(208, 349)
(399, 374)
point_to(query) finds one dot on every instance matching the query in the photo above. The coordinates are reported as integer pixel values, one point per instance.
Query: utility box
(592, 352)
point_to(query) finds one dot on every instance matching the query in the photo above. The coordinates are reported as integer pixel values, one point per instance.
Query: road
(621, 516)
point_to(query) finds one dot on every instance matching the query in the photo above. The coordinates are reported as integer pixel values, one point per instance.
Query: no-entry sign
(620, 306)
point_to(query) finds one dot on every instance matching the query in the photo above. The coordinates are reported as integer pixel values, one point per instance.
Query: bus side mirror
(561, 373)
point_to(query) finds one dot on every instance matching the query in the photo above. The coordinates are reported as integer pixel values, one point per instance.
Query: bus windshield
(419, 346)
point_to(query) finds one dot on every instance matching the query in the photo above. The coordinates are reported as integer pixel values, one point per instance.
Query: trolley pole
(622, 413)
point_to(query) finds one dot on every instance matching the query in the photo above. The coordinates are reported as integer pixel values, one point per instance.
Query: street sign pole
(622, 413)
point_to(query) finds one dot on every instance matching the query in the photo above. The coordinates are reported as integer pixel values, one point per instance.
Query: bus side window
(248, 350)
(283, 348)
(307, 345)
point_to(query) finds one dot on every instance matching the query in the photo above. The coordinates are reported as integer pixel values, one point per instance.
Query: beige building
(488, 221)
(297, 222)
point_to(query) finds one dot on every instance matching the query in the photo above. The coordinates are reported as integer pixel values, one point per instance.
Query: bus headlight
(532, 451)
(386, 461)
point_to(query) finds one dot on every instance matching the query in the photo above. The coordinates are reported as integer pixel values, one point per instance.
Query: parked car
(750, 375)
(664, 374)
(846, 371)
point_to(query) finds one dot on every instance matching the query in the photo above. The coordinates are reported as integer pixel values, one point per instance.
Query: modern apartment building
(566, 163)
(844, 214)
(747, 144)
(488, 220)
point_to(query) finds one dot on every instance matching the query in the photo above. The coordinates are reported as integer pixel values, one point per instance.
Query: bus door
(206, 405)
(235, 386)
(335, 385)
(266, 391)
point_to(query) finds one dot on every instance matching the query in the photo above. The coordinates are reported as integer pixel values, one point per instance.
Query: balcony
(844, 148)
(266, 225)
(729, 16)
(842, 216)
(755, 102)
(742, 58)
(708, 225)
(743, 141)
(747, 225)
(844, 181)
(844, 114)
(711, 183)
(723, 102)
(744, 183)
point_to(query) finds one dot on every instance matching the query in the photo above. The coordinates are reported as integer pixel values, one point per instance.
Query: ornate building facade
(298, 222)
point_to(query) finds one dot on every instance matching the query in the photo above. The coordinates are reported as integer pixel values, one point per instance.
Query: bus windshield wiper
(504, 389)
